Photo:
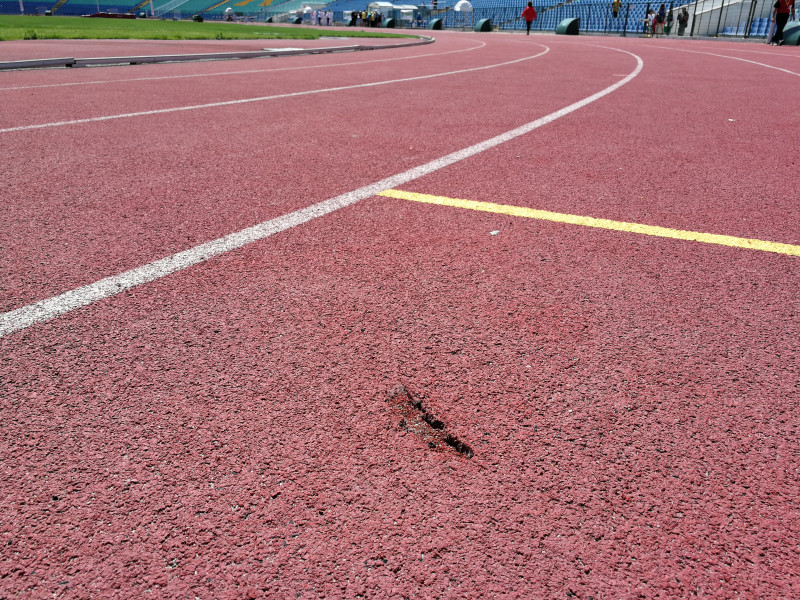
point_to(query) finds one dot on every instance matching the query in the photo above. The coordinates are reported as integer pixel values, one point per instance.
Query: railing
(731, 18)
(715, 18)
(742, 18)
(163, 10)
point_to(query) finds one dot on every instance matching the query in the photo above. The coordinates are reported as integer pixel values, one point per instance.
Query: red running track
(224, 432)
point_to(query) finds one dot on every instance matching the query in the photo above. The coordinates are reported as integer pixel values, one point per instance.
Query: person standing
(649, 22)
(783, 9)
(615, 6)
(529, 14)
(661, 17)
(683, 20)
(670, 21)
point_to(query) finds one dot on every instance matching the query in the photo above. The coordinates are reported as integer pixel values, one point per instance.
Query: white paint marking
(162, 111)
(752, 62)
(248, 72)
(775, 53)
(50, 308)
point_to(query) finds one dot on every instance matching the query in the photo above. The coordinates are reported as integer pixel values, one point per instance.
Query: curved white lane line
(162, 111)
(50, 308)
(776, 53)
(752, 62)
(362, 62)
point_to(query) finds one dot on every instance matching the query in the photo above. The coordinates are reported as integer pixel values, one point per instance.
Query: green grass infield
(17, 27)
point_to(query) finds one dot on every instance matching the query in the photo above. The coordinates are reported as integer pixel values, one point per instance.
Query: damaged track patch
(417, 420)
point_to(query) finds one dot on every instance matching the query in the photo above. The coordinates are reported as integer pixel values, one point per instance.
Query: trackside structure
(720, 18)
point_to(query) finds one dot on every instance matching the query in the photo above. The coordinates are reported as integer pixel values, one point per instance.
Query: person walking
(529, 14)
(783, 9)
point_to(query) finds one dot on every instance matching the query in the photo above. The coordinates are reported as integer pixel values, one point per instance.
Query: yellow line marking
(531, 213)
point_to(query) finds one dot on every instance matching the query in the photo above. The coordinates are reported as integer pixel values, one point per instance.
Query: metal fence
(716, 18)
(733, 18)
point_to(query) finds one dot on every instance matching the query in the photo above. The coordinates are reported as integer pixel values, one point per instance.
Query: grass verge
(17, 27)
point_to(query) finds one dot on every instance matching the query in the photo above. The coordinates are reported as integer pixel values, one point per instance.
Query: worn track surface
(237, 429)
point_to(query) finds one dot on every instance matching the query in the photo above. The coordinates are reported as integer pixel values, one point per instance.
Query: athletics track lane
(211, 172)
(631, 400)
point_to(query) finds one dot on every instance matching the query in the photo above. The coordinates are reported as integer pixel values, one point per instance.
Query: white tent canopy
(463, 6)
(385, 7)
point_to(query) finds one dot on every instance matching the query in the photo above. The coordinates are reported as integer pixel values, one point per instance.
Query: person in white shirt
(651, 21)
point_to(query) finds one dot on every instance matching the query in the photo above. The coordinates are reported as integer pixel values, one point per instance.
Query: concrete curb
(46, 63)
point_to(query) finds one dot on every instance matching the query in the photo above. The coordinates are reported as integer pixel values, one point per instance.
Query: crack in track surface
(416, 419)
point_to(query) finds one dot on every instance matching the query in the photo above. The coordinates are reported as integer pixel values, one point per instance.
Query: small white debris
(731, 120)
(495, 232)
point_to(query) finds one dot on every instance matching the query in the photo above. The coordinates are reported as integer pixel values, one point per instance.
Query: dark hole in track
(417, 420)
(435, 423)
(459, 446)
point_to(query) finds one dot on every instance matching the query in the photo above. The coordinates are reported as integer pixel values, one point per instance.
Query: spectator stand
(714, 18)
(67, 8)
(741, 18)
(262, 11)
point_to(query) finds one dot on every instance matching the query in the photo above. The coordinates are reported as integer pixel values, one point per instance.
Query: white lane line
(775, 53)
(50, 308)
(161, 111)
(249, 72)
(752, 62)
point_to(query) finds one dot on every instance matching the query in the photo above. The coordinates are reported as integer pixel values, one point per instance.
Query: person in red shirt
(783, 8)
(529, 14)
